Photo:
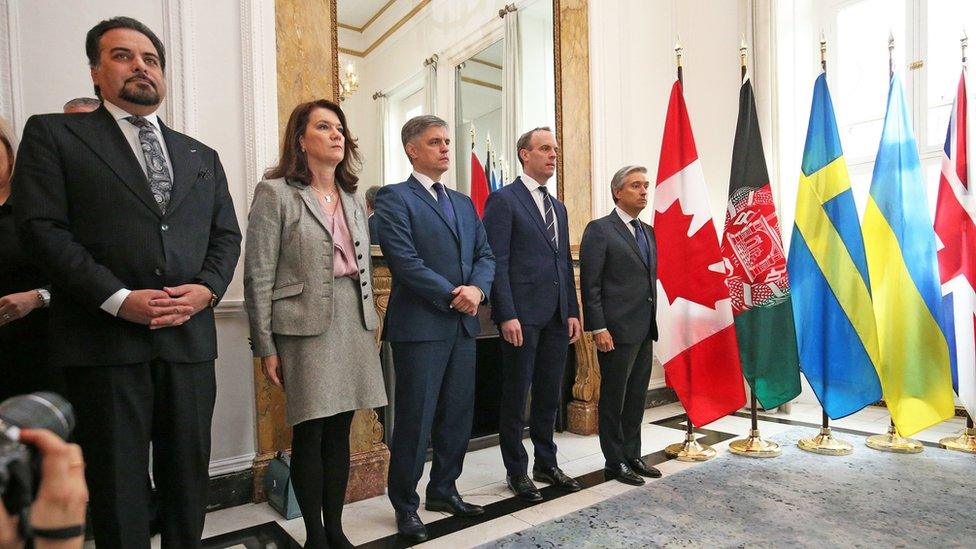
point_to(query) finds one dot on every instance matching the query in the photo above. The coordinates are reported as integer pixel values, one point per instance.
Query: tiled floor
(483, 479)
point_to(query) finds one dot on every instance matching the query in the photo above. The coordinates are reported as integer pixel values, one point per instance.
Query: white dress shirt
(533, 186)
(131, 133)
(428, 183)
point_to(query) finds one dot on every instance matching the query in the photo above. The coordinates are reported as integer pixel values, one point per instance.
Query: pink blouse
(343, 256)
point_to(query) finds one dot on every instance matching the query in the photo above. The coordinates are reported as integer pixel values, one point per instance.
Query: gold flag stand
(754, 445)
(690, 449)
(966, 442)
(893, 442)
(825, 443)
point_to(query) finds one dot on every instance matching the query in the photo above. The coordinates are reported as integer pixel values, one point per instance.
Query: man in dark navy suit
(618, 282)
(442, 269)
(534, 304)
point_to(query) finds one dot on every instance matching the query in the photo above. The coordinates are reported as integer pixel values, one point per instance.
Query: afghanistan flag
(755, 263)
(696, 342)
(899, 241)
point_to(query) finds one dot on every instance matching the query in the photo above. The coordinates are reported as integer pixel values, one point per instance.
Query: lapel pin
(193, 150)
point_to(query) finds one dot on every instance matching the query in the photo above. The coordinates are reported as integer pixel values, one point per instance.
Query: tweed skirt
(336, 371)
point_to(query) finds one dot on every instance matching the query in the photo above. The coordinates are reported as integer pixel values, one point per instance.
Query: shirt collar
(121, 114)
(624, 216)
(427, 182)
(530, 184)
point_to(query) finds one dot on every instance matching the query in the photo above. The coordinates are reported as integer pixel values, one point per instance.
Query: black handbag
(278, 486)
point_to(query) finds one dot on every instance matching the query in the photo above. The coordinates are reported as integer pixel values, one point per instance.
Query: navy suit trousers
(434, 396)
(538, 364)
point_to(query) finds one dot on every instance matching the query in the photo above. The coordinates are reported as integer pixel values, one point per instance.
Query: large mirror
(486, 67)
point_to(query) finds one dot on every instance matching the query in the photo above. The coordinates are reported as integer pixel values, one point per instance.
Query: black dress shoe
(523, 488)
(556, 477)
(455, 506)
(623, 473)
(411, 528)
(643, 469)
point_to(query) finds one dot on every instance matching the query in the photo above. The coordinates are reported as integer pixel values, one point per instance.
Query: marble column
(308, 68)
(572, 65)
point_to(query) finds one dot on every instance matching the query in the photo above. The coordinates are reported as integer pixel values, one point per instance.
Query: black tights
(320, 471)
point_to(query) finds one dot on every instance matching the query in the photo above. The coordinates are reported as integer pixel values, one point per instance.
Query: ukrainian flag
(835, 328)
(900, 246)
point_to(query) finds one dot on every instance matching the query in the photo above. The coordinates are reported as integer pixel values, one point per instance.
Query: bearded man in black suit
(136, 228)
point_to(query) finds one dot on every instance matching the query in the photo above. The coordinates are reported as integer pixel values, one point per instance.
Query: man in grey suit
(618, 280)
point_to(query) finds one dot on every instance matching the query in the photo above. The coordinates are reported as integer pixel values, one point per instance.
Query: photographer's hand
(63, 494)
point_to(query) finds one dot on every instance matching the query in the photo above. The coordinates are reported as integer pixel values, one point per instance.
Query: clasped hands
(165, 308)
(466, 299)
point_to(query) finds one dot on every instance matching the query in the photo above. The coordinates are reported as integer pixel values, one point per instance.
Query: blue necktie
(445, 203)
(645, 250)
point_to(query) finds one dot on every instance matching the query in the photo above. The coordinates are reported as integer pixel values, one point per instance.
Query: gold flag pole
(753, 445)
(966, 442)
(690, 449)
(825, 443)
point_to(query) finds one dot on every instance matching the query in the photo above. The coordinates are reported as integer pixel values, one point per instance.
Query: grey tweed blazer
(288, 263)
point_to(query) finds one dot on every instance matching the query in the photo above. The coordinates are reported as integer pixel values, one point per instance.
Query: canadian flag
(696, 342)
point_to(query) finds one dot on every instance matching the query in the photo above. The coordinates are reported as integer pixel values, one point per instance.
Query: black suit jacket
(85, 211)
(619, 291)
(533, 278)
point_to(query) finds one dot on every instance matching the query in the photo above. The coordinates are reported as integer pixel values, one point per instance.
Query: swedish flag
(835, 327)
(900, 247)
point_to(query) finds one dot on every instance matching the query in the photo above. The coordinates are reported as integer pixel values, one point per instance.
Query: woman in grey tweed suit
(309, 299)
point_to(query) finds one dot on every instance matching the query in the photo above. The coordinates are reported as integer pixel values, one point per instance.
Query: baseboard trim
(659, 396)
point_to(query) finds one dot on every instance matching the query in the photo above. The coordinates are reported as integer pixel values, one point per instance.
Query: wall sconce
(349, 82)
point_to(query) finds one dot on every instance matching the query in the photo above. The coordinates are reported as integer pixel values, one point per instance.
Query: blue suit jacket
(428, 259)
(533, 279)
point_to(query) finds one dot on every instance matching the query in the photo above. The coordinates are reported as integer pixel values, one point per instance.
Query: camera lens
(41, 410)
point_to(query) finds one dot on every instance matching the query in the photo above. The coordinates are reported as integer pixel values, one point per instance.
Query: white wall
(43, 64)
(632, 69)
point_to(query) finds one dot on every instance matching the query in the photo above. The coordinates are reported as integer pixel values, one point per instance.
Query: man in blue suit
(534, 304)
(442, 269)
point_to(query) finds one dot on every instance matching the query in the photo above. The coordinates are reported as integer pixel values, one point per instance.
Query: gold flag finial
(823, 51)
(964, 42)
(891, 53)
(743, 51)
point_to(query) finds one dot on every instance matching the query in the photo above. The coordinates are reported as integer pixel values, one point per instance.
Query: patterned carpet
(867, 499)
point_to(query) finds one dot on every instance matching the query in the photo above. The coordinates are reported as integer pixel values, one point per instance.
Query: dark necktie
(160, 183)
(445, 203)
(645, 250)
(550, 218)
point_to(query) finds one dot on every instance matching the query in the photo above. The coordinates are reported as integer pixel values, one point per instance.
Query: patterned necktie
(550, 218)
(445, 203)
(645, 250)
(160, 183)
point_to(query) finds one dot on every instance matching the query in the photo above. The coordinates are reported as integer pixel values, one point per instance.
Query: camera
(20, 464)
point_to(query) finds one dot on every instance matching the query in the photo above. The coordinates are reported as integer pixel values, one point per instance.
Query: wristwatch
(213, 298)
(44, 297)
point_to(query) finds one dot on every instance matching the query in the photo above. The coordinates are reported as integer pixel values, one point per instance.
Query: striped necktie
(550, 218)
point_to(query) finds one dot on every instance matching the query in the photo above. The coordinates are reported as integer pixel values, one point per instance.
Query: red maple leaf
(683, 260)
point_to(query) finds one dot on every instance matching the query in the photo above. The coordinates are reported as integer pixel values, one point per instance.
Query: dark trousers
(120, 410)
(434, 403)
(624, 375)
(538, 364)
